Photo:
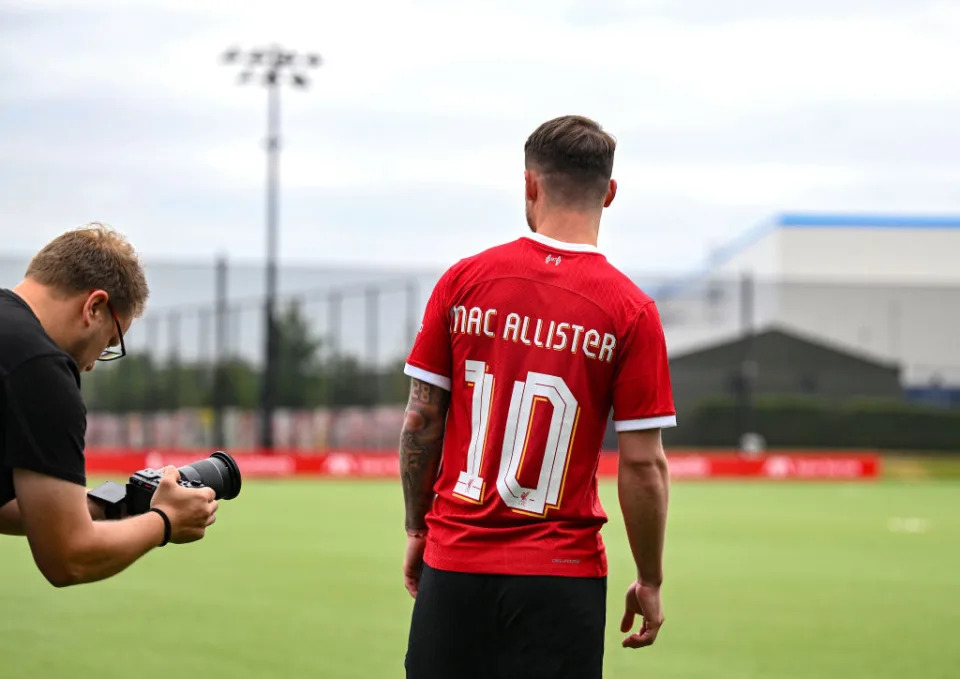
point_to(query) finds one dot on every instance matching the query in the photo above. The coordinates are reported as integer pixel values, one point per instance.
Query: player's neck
(570, 228)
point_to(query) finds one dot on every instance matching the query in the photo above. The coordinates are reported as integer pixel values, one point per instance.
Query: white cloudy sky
(408, 147)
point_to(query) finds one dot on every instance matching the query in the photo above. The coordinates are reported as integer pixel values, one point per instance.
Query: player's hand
(413, 561)
(190, 510)
(642, 600)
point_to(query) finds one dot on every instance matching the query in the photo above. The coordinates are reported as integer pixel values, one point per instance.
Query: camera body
(219, 471)
(142, 485)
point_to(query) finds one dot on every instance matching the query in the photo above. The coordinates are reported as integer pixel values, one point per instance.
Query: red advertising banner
(686, 465)
(804, 466)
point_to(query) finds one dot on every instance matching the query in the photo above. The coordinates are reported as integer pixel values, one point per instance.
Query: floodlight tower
(271, 67)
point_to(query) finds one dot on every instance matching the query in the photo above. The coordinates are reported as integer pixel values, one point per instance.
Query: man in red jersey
(524, 350)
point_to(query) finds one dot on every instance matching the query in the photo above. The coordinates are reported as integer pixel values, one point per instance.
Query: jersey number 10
(563, 424)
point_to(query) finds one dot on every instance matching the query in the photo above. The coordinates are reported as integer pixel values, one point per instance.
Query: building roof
(814, 220)
(779, 336)
(790, 219)
(805, 220)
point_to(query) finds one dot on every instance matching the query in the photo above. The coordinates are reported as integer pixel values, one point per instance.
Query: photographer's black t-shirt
(43, 420)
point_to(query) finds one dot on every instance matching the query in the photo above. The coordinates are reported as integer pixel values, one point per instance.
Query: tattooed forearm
(421, 443)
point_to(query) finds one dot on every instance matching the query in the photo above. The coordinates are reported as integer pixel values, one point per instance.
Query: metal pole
(269, 384)
(203, 338)
(335, 300)
(173, 363)
(153, 390)
(748, 366)
(273, 62)
(373, 332)
(220, 355)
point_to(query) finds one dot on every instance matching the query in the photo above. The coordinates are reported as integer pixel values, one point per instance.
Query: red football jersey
(536, 340)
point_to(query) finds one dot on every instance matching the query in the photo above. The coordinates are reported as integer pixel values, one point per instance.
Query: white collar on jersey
(561, 245)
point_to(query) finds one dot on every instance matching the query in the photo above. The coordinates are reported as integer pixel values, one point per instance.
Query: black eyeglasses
(113, 353)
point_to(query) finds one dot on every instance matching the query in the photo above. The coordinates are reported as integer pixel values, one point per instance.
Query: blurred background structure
(826, 317)
(788, 194)
(812, 330)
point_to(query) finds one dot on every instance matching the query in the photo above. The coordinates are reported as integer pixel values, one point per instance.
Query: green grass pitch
(302, 579)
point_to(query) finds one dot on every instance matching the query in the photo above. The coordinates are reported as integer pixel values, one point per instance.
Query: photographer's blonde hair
(93, 257)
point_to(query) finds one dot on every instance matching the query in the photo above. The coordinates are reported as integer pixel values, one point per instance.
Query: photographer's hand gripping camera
(219, 471)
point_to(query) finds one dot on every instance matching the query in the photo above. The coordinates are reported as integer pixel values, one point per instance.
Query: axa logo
(554, 260)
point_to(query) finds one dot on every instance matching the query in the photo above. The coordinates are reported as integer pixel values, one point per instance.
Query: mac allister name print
(533, 332)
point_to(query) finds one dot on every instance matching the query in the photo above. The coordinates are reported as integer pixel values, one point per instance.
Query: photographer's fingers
(191, 510)
(166, 490)
(170, 474)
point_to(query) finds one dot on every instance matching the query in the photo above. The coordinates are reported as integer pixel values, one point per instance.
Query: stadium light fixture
(271, 63)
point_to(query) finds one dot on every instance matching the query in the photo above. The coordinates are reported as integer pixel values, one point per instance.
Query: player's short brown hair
(93, 257)
(575, 157)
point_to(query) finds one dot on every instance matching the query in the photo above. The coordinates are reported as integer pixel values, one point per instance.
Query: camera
(219, 471)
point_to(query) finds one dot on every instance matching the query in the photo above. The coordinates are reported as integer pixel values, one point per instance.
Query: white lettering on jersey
(576, 336)
(609, 344)
(512, 325)
(563, 336)
(523, 331)
(546, 334)
(458, 319)
(473, 323)
(486, 322)
(591, 341)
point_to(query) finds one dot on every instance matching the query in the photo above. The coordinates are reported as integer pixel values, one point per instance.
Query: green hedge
(787, 422)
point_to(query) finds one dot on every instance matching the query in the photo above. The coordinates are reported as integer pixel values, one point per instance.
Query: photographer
(78, 297)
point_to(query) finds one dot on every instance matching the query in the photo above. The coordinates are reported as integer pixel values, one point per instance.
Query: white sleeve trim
(426, 376)
(646, 423)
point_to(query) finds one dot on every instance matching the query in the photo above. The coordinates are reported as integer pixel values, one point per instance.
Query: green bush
(798, 422)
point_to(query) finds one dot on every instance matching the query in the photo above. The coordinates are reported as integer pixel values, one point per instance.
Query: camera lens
(219, 471)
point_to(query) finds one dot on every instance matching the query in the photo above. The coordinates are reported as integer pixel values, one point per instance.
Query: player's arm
(643, 484)
(97, 510)
(643, 405)
(421, 445)
(43, 431)
(429, 367)
(70, 548)
(10, 523)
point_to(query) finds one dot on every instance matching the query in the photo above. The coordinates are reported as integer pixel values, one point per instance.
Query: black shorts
(468, 625)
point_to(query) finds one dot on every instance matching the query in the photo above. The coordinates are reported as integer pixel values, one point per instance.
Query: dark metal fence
(197, 355)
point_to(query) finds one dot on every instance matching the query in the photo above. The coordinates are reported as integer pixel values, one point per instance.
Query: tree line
(141, 383)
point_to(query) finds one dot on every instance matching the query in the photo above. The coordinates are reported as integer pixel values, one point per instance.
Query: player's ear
(611, 193)
(94, 305)
(532, 187)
